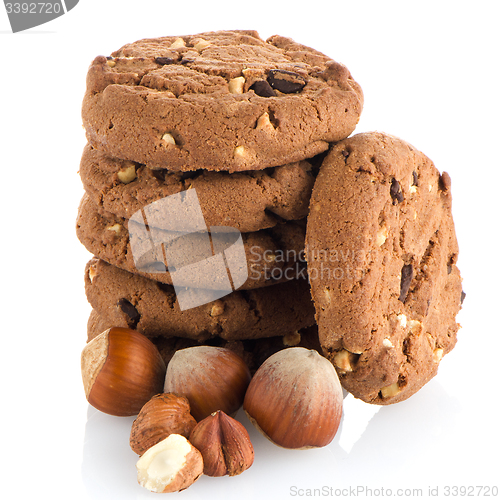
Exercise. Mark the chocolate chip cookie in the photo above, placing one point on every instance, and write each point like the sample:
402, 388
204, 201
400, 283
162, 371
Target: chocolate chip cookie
247, 201
254, 352
224, 100
382, 253
272, 255
151, 307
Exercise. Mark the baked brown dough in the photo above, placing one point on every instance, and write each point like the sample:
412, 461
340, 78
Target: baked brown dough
254, 351
151, 307
272, 255
247, 201
224, 100
382, 253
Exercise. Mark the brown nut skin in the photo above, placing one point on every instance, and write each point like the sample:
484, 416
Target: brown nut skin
161, 416
295, 399
211, 378
121, 371
224, 444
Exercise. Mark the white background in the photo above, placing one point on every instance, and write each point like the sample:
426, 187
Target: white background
430, 75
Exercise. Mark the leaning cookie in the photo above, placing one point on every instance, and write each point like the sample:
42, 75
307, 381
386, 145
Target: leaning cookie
254, 352
382, 253
224, 100
247, 201
151, 307
271, 255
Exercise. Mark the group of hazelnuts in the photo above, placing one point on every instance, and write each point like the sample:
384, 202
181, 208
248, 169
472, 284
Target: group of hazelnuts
185, 426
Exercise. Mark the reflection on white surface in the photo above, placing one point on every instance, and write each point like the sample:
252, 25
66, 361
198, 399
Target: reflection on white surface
396, 435
383, 442
360, 416
108, 466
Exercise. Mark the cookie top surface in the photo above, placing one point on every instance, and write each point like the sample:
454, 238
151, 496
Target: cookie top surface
151, 307
382, 252
224, 100
247, 201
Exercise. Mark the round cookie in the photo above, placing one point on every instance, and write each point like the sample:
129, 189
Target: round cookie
254, 352
151, 307
247, 201
224, 100
382, 253
272, 255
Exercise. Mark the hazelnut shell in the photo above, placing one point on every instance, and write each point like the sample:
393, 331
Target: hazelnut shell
224, 444
161, 416
211, 378
121, 371
295, 399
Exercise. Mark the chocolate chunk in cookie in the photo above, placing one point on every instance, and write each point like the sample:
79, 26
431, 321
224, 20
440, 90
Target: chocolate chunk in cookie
382, 253
272, 255
286, 82
277, 310
198, 101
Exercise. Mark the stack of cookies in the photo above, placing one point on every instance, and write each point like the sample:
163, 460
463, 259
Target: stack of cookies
244, 124
254, 136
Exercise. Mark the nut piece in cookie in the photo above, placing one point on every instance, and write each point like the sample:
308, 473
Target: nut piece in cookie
199, 96
382, 253
247, 201
129, 300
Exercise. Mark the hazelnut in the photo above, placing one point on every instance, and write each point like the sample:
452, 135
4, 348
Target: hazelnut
171, 465
217, 307
127, 174
211, 378
224, 444
437, 354
264, 123
390, 391
236, 85
161, 416
116, 228
415, 326
295, 399
168, 139
344, 360
121, 371
92, 273
403, 320
240, 152
381, 235
178, 43
201, 44
292, 339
